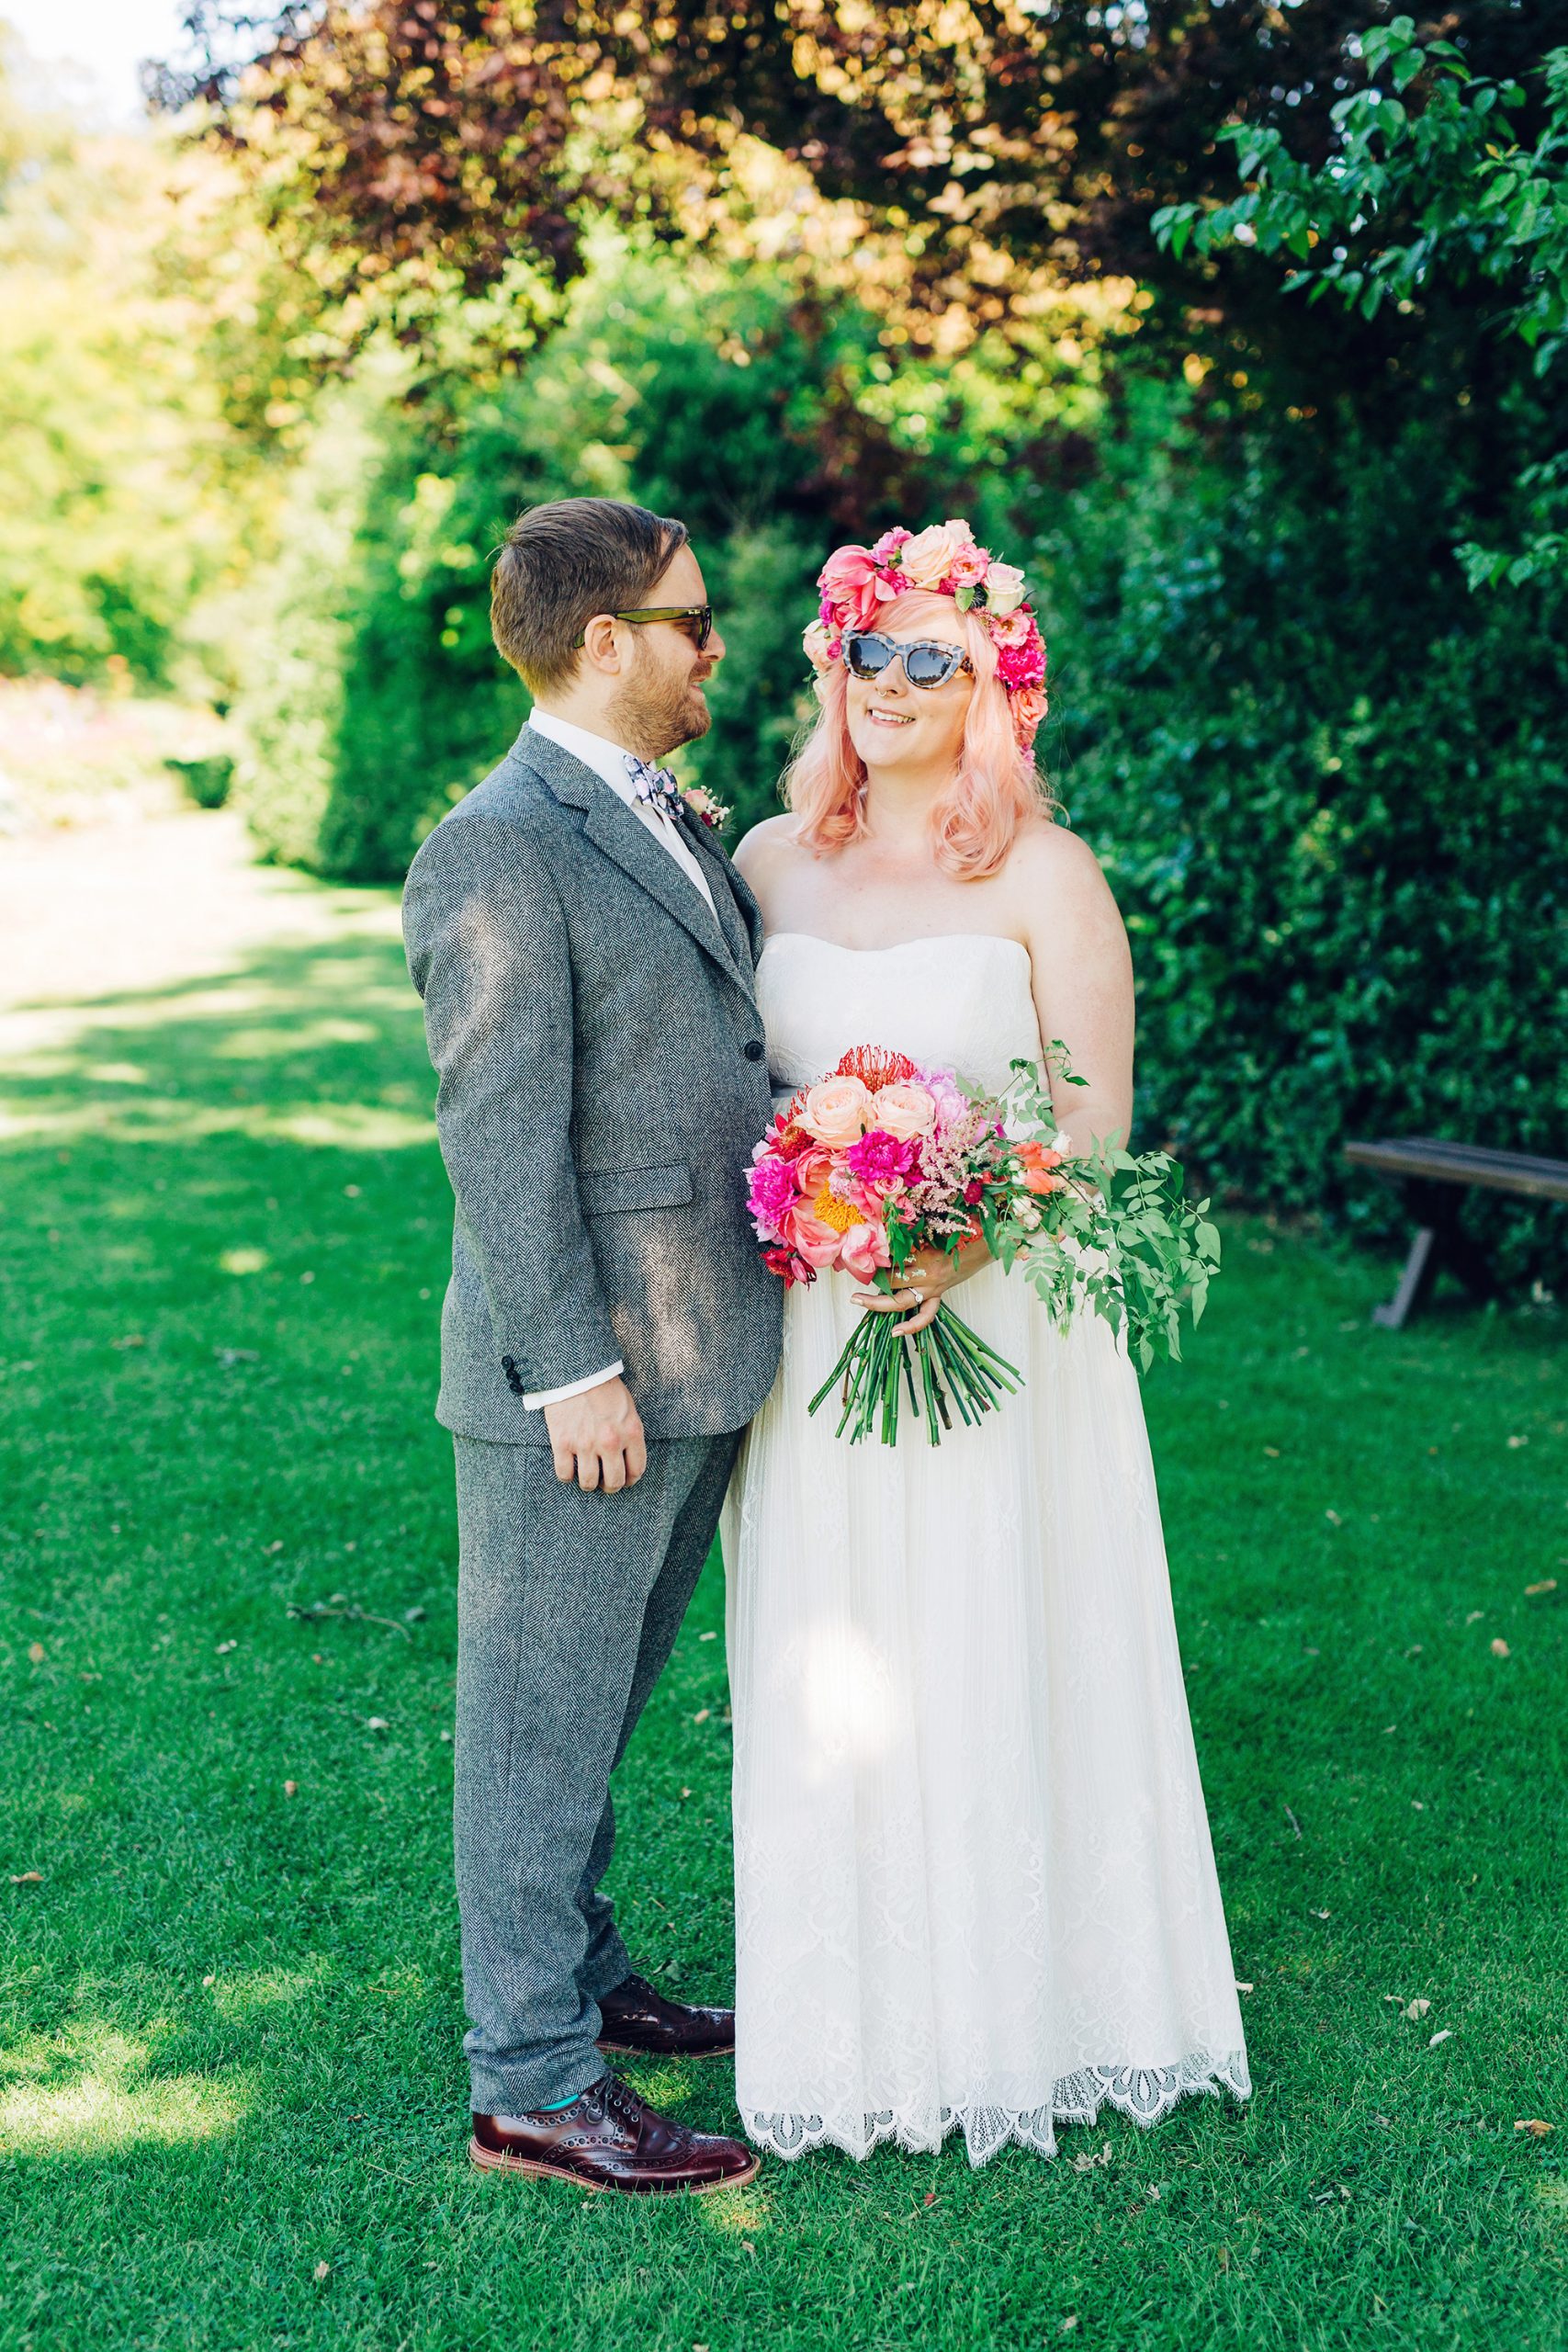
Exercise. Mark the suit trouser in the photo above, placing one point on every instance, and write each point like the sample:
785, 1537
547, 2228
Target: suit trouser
568, 1609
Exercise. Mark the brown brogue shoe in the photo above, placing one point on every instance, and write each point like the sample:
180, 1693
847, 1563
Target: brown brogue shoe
634, 2018
608, 2138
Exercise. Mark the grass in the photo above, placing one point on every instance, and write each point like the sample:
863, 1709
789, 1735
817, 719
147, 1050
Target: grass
232, 2096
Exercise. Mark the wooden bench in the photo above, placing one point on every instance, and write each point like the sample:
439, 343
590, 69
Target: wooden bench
1434, 1177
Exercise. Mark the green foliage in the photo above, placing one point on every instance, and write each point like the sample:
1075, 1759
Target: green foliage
1413, 197
1332, 797
137, 364
1118, 1236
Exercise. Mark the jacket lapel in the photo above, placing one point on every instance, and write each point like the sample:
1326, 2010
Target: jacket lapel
736, 905
613, 828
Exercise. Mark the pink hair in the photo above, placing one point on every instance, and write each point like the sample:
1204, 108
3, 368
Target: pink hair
996, 790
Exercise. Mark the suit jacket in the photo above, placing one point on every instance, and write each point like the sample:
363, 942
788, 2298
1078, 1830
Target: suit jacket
602, 1079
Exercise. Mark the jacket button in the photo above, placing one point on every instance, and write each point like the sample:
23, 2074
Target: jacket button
754, 1049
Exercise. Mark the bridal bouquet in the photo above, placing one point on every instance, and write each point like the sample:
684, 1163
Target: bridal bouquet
883, 1158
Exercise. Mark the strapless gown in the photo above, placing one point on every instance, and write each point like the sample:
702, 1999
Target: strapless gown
975, 1887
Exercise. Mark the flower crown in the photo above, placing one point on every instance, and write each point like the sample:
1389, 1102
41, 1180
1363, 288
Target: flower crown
857, 581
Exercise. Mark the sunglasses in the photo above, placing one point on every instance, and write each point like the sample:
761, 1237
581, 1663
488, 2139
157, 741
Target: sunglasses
927, 662
697, 618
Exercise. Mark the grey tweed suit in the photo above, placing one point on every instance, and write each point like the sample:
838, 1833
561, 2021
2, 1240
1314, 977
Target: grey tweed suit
602, 1079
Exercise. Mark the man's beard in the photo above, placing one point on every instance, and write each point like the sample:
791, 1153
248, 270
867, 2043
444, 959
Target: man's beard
660, 714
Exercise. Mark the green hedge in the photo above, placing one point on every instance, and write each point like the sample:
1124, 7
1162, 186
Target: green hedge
1331, 791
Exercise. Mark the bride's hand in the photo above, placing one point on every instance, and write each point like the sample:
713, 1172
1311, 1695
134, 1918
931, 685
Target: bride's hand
925, 1277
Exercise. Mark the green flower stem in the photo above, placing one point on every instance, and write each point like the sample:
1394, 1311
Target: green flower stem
877, 1363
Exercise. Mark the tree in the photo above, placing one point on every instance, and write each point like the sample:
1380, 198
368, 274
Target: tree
1427, 182
431, 146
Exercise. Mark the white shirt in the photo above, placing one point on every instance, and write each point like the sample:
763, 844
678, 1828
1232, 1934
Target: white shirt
609, 761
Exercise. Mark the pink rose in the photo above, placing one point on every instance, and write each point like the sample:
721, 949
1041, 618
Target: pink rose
837, 1112
969, 566
927, 558
1004, 589
1028, 708
1010, 628
904, 1111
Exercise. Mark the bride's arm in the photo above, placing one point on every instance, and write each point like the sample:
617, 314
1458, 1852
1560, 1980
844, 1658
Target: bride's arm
1083, 980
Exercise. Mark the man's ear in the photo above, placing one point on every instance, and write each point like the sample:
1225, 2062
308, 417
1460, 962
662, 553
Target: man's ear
601, 649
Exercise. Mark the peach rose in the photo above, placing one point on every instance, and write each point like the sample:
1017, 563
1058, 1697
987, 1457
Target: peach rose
927, 560
814, 642
1004, 588
903, 1111
1029, 707
837, 1111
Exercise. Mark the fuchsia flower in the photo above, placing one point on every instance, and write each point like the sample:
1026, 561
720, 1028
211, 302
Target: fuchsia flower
771, 1191
882, 1158
1021, 665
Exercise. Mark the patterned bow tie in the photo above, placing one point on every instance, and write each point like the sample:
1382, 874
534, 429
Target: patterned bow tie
657, 786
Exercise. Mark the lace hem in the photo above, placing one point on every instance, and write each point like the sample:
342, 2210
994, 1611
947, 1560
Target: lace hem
1146, 2094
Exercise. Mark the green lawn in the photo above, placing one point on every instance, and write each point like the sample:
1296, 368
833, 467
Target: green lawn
232, 2099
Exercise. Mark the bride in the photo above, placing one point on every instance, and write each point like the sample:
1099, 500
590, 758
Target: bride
974, 1888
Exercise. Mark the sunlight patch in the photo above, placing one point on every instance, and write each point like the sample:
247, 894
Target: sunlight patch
244, 1261
368, 1126
239, 1999
87, 2091
302, 1036
739, 2212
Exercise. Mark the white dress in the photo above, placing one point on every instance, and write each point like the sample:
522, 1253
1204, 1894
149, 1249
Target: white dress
975, 1887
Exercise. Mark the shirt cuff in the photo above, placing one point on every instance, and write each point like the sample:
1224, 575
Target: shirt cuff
573, 1388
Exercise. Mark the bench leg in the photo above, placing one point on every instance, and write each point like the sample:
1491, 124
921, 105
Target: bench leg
1439, 1242
1414, 1282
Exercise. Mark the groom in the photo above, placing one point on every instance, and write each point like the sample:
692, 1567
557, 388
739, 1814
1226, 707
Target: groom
585, 952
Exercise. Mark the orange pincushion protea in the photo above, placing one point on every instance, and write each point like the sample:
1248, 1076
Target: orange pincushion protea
876, 1067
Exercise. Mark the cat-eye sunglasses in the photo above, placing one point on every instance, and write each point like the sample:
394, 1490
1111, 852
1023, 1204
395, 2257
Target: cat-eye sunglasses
927, 662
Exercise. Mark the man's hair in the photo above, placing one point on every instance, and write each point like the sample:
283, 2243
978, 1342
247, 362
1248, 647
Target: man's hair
561, 563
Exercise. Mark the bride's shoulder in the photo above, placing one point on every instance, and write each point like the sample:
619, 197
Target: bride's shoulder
1059, 889
1046, 855
770, 848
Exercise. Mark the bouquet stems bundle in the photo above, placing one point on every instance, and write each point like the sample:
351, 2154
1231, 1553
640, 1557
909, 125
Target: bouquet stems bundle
880, 1362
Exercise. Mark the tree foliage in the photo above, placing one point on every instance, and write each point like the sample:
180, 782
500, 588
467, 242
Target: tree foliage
144, 398
1435, 186
428, 146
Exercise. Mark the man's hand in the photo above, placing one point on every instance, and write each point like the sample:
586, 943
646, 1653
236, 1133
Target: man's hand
596, 1438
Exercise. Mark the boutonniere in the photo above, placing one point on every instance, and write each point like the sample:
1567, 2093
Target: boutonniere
704, 808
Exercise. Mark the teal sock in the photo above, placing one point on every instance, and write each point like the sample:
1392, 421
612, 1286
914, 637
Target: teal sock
554, 2106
